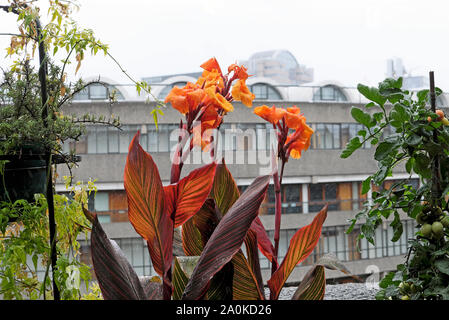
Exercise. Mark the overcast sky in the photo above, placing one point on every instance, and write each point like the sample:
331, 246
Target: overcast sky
348, 41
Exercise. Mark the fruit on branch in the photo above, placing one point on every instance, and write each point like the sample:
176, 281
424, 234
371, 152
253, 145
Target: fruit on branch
445, 221
426, 230
421, 218
437, 229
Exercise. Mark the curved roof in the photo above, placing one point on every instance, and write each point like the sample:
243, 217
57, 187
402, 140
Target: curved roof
274, 54
158, 88
267, 81
306, 92
121, 88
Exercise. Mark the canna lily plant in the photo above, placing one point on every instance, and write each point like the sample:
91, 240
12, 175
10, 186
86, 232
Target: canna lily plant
219, 225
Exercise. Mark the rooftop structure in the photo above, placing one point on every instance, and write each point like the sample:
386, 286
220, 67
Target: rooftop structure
278, 65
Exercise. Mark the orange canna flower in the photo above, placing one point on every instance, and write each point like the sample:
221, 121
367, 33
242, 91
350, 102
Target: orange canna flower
210, 65
211, 78
273, 114
239, 71
293, 118
293, 144
218, 100
202, 133
298, 141
185, 99
240, 92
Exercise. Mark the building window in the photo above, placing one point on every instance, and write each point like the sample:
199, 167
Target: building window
329, 93
98, 91
99, 201
321, 194
264, 91
104, 218
291, 199
233, 137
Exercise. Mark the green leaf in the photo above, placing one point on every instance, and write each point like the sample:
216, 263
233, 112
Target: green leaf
442, 265
351, 146
390, 83
409, 165
399, 113
413, 139
361, 117
397, 227
423, 95
366, 185
422, 165
372, 94
384, 149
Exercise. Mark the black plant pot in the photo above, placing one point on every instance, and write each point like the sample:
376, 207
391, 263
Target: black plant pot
24, 176
22, 179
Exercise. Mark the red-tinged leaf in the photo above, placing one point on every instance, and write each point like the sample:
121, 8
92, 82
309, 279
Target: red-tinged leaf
221, 285
152, 287
263, 241
116, 277
197, 231
253, 259
248, 283
312, 286
227, 238
180, 280
192, 243
170, 195
224, 189
146, 206
301, 246
225, 192
192, 191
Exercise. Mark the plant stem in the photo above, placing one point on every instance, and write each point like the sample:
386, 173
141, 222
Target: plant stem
278, 213
436, 174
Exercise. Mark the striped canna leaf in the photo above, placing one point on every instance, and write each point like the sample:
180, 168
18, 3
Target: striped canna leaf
301, 246
312, 287
225, 192
224, 189
180, 280
196, 233
248, 283
147, 207
263, 242
116, 277
227, 238
192, 191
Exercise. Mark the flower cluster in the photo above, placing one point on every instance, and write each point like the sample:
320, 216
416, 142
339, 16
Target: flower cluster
209, 99
205, 102
285, 120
